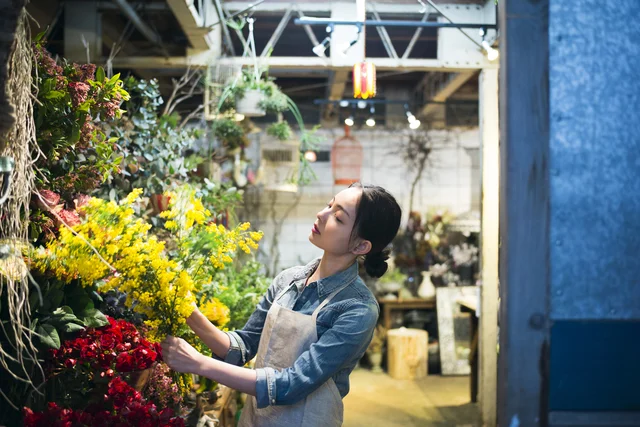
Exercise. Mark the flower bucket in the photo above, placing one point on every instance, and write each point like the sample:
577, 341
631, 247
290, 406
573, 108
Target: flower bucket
159, 203
139, 379
249, 104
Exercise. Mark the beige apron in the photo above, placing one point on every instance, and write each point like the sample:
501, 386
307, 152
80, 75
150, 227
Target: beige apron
285, 336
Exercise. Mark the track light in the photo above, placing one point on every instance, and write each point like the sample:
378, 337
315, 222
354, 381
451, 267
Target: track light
344, 103
344, 48
362, 105
492, 54
320, 48
349, 121
371, 122
414, 124
410, 117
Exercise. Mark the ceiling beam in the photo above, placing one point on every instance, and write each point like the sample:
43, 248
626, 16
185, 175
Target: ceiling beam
192, 23
321, 7
337, 84
447, 89
204, 59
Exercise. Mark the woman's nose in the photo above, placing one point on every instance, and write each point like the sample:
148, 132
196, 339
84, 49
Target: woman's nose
322, 214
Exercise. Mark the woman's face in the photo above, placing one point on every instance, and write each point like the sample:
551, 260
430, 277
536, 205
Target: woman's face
332, 228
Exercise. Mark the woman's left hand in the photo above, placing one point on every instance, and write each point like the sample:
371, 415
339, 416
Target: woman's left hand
180, 355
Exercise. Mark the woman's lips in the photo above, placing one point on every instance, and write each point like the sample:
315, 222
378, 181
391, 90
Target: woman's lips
315, 229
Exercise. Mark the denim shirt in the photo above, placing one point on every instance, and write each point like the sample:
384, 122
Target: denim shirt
345, 328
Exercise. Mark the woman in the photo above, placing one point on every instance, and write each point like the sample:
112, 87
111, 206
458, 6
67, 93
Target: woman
312, 326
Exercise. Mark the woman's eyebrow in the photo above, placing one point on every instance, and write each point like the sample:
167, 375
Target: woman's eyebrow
343, 210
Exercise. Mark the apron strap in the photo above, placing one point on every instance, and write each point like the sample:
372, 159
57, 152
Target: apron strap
328, 299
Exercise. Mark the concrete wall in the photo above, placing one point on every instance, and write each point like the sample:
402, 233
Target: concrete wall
451, 181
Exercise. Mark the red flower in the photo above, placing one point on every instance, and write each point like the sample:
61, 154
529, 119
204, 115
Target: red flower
85, 71
125, 362
78, 92
70, 218
48, 199
143, 357
88, 352
70, 363
158, 350
107, 341
32, 419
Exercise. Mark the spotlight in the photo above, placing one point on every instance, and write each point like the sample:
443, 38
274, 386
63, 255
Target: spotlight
238, 117
320, 48
410, 117
492, 54
349, 121
414, 124
344, 103
344, 47
311, 156
371, 122
362, 105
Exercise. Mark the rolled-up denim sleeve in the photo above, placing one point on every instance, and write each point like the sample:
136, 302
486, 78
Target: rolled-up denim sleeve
347, 339
244, 342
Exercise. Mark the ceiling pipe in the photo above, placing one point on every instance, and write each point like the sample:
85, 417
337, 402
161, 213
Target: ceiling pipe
146, 31
390, 23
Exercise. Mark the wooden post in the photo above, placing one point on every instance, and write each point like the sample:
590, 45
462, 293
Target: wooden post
490, 242
524, 213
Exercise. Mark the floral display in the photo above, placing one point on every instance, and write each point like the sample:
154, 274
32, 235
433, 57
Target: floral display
122, 405
161, 389
95, 356
108, 277
118, 347
113, 246
76, 156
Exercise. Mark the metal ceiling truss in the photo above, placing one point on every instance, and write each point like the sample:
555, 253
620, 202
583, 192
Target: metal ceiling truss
456, 55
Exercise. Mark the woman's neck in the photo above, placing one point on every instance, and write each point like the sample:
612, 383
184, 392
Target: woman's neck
330, 265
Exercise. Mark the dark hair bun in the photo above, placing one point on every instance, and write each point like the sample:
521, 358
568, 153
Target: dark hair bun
375, 263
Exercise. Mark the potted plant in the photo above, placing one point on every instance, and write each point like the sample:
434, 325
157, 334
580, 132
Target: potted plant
392, 281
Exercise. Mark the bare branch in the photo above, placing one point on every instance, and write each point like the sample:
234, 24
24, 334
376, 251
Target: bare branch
191, 79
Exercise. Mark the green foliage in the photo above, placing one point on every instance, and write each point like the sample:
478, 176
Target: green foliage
281, 130
63, 310
154, 146
73, 103
219, 198
393, 276
239, 288
230, 133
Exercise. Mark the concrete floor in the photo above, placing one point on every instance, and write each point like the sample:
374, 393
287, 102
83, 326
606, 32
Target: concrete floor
377, 400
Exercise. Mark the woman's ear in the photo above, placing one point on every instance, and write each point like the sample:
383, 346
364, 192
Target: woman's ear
362, 248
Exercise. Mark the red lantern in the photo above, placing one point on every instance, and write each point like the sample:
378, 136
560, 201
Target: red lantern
364, 80
346, 159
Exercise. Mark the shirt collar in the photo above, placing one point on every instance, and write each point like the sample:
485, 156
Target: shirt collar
328, 284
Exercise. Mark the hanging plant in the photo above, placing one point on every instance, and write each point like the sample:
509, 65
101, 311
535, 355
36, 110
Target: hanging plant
272, 100
230, 133
281, 130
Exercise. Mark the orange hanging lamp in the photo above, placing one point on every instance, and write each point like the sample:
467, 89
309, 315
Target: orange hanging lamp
364, 73
364, 80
